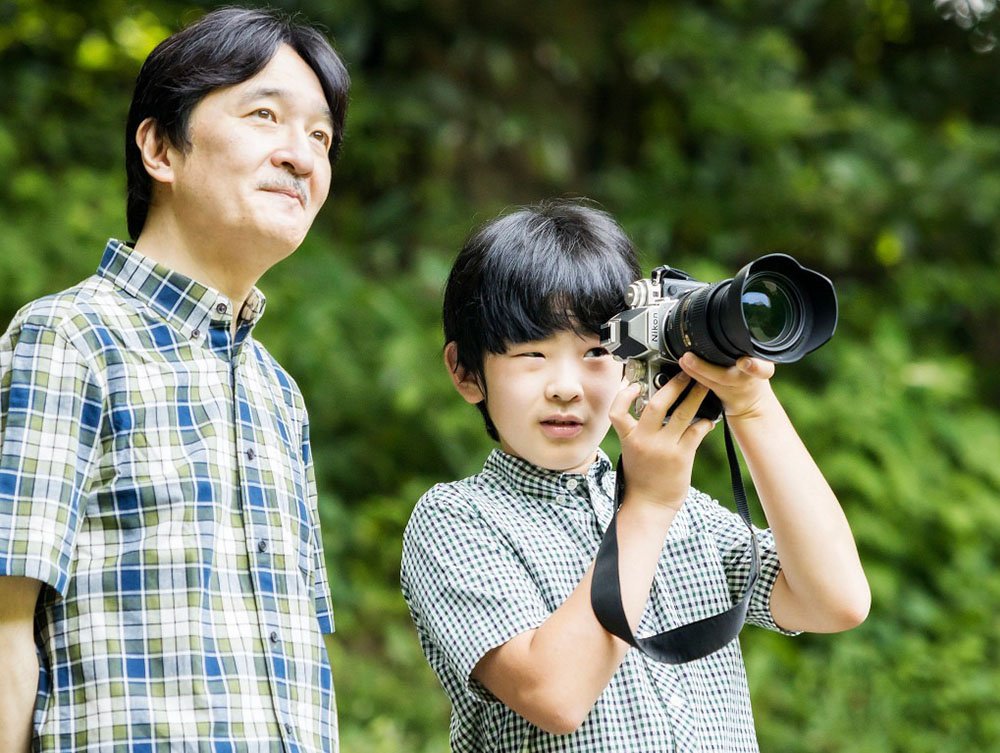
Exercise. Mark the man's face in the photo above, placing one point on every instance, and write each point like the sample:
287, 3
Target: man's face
257, 169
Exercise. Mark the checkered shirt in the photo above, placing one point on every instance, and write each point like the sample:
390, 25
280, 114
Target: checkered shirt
494, 555
155, 474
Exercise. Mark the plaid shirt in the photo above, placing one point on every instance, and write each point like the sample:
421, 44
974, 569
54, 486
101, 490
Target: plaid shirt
494, 555
155, 473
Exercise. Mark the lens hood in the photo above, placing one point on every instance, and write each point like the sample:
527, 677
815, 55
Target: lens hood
810, 294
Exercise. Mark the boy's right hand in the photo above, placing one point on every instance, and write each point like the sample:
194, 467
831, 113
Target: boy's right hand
657, 457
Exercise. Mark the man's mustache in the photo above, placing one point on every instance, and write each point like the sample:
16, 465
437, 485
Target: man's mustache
292, 185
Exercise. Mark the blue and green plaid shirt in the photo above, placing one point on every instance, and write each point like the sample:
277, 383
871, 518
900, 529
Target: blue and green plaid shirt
155, 474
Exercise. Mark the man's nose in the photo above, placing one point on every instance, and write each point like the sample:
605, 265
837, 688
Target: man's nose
295, 154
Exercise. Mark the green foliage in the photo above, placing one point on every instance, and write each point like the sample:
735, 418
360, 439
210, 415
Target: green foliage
858, 135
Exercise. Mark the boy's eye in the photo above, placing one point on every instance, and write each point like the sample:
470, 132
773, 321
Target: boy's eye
597, 352
529, 354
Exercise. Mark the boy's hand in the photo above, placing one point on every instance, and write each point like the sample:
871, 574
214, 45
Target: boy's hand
657, 456
744, 389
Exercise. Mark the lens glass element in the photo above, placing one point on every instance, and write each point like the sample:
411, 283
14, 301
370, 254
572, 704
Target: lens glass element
771, 310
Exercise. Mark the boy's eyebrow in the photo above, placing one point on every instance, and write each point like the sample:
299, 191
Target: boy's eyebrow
270, 92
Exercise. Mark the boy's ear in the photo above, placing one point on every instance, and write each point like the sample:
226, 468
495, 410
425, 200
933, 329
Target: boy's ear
466, 384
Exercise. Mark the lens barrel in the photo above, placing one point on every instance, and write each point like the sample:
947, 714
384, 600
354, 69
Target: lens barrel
774, 308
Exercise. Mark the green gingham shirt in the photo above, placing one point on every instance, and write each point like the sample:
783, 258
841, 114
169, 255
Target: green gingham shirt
492, 556
155, 474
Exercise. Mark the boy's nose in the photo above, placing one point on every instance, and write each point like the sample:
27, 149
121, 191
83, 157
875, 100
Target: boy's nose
564, 387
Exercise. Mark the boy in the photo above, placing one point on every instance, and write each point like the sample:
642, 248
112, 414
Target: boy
497, 567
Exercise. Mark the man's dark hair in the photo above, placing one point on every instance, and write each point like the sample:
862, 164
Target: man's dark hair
552, 267
223, 48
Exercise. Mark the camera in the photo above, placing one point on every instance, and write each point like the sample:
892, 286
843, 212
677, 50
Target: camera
774, 309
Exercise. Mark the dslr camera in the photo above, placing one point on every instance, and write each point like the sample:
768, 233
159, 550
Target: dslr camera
774, 309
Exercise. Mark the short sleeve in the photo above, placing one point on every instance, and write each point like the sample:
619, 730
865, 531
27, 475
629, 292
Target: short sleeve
321, 583
467, 589
51, 408
733, 539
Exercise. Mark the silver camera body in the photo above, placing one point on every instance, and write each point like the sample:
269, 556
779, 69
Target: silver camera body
774, 308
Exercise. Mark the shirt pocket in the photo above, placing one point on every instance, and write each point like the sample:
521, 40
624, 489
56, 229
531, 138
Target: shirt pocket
170, 441
690, 583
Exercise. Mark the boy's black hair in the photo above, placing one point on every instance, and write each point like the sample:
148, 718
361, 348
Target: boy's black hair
551, 267
223, 48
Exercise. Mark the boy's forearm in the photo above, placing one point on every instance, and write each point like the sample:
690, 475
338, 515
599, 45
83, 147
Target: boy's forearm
822, 586
553, 675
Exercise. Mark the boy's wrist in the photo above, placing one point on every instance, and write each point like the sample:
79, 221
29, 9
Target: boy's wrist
651, 508
763, 405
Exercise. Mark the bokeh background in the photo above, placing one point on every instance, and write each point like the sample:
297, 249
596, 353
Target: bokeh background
859, 135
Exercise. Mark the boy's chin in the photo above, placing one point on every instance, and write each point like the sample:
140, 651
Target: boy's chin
566, 463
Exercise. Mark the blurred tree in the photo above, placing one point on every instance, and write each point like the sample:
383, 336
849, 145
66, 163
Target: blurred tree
860, 135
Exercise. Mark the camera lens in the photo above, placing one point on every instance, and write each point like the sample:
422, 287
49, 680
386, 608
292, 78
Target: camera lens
774, 308
771, 309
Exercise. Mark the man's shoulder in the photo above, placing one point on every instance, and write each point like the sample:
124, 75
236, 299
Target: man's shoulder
68, 312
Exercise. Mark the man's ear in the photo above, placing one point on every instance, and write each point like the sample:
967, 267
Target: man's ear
466, 384
155, 150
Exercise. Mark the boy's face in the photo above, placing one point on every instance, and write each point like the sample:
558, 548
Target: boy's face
549, 400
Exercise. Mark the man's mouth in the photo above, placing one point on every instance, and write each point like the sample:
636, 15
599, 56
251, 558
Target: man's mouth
289, 191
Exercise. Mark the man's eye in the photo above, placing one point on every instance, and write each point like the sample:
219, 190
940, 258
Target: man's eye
265, 114
323, 137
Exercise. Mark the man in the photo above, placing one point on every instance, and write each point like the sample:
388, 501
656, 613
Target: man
163, 583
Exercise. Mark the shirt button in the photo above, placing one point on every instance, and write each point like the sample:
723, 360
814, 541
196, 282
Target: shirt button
288, 727
262, 545
251, 454
676, 701
572, 483
561, 499
274, 636
221, 308
196, 334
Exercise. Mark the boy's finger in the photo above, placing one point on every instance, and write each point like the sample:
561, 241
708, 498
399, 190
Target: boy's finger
619, 414
684, 414
697, 431
656, 411
757, 367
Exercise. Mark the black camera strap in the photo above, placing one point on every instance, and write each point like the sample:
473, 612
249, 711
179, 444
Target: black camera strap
694, 640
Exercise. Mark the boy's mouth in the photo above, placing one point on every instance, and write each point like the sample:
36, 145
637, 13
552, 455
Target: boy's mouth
562, 426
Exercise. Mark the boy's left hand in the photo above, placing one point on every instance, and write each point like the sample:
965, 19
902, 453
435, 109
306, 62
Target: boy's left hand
744, 389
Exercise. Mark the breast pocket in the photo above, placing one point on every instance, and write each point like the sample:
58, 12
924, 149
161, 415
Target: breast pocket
171, 441
690, 583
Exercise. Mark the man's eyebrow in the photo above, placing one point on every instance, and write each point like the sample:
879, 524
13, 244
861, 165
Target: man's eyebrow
269, 92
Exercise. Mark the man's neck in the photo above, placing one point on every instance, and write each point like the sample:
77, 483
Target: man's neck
205, 263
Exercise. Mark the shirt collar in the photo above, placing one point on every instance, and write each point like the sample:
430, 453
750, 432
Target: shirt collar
521, 476
187, 305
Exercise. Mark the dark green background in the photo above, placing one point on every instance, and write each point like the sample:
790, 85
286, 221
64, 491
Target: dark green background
859, 135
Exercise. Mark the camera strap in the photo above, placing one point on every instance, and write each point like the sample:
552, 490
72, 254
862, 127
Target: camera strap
694, 640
